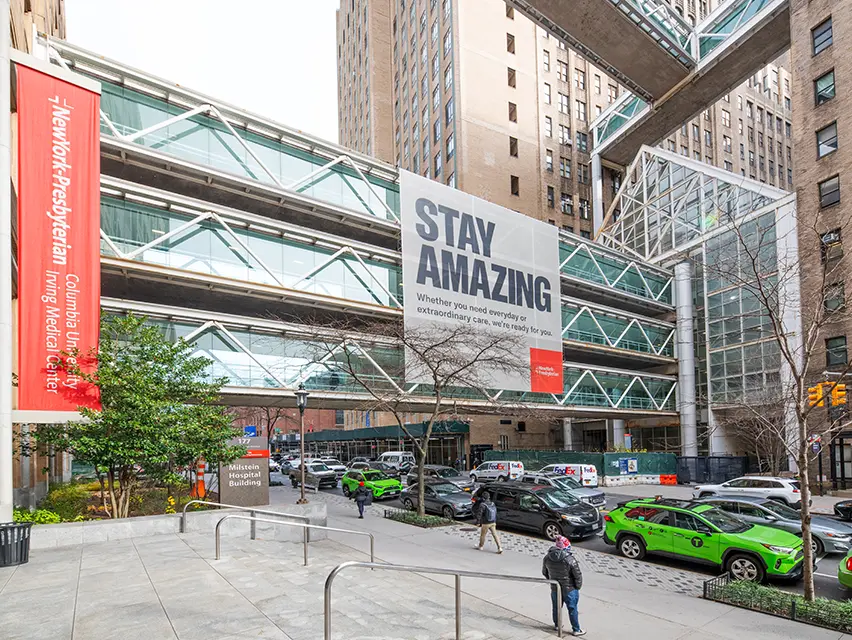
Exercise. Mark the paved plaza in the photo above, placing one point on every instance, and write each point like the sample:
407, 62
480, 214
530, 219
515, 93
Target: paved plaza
169, 586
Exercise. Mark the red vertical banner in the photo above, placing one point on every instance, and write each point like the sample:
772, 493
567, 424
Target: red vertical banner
58, 239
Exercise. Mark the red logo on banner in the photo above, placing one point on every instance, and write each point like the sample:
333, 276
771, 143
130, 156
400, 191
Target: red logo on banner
545, 371
58, 239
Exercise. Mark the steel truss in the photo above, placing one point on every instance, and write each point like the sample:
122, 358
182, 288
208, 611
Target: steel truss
616, 342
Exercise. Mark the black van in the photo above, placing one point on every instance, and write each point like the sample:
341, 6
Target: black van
543, 509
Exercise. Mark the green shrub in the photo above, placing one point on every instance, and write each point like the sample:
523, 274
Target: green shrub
67, 500
409, 517
39, 516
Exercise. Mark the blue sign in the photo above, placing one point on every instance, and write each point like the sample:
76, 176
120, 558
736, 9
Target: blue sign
250, 431
622, 466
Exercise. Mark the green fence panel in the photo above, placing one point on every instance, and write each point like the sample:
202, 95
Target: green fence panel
648, 463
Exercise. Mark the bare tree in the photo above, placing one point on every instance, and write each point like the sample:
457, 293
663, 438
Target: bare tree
793, 312
446, 361
268, 418
759, 429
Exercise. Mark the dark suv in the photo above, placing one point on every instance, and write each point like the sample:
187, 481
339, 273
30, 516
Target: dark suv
542, 509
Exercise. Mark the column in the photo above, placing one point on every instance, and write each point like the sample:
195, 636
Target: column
597, 193
686, 359
567, 434
618, 429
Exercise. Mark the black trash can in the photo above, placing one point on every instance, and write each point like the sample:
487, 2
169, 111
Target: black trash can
14, 543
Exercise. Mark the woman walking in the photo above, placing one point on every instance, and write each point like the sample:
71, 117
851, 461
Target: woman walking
362, 496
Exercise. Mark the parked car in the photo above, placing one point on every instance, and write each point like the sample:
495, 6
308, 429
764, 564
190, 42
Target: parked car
704, 534
542, 509
829, 535
353, 466
593, 497
446, 474
844, 571
357, 459
843, 510
384, 467
439, 497
381, 485
500, 470
335, 465
402, 460
274, 465
784, 490
316, 475
585, 474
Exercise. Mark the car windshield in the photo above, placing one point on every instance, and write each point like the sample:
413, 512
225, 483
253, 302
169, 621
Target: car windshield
331, 461
445, 489
567, 483
557, 499
372, 476
446, 472
318, 467
725, 522
780, 510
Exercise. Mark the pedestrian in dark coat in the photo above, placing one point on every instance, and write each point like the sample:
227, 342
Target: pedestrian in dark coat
362, 495
560, 564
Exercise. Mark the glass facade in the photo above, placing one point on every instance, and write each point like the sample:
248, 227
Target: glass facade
586, 325
272, 360
205, 140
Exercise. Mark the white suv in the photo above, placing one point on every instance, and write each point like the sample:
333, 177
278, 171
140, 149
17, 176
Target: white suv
500, 471
784, 490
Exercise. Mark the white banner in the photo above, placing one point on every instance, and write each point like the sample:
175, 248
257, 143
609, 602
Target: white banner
466, 260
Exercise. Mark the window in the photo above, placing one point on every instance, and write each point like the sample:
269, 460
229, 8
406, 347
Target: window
564, 167
740, 102
451, 146
551, 197
436, 98
582, 141
584, 209
546, 59
435, 31
438, 164
510, 12
581, 111
563, 104
834, 297
597, 84
612, 95
684, 150
585, 234
696, 133
726, 143
751, 158
835, 351
788, 128
567, 204
437, 130
830, 245
750, 110
513, 147
510, 43
513, 112
827, 140
562, 71
546, 93
729, 166
515, 185
822, 36
708, 138
564, 134
512, 77
449, 111
448, 42
548, 160
740, 126
583, 173
580, 79
726, 118
829, 192
548, 126
451, 180
824, 88
448, 78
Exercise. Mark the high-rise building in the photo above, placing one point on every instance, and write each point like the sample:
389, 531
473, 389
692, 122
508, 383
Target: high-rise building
46, 16
485, 100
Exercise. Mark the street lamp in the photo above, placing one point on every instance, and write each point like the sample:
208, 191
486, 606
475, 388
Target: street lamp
302, 402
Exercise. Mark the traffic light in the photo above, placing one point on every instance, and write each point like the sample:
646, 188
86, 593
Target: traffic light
838, 395
815, 396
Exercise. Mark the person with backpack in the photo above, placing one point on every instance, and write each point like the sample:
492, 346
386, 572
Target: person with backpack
486, 518
362, 496
560, 564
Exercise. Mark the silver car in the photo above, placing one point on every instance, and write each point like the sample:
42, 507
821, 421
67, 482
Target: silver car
436, 473
829, 535
590, 496
440, 497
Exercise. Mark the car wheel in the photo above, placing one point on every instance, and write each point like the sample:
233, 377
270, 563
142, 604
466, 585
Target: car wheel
408, 504
745, 567
473, 478
631, 547
817, 547
447, 512
501, 478
551, 530
346, 490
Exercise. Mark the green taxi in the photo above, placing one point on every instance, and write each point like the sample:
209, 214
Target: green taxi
378, 482
702, 533
844, 571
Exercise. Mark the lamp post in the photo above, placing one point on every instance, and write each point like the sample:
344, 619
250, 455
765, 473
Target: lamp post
302, 402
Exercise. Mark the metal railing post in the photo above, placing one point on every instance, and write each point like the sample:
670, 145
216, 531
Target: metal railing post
254, 512
559, 613
253, 526
305, 532
458, 608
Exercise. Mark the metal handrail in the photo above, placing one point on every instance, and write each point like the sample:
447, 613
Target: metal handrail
251, 510
458, 573
306, 527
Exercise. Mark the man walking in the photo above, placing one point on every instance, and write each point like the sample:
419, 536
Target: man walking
486, 518
560, 564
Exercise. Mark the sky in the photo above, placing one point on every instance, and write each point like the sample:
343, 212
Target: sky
276, 58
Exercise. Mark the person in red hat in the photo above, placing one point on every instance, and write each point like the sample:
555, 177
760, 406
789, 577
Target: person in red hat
560, 564
362, 495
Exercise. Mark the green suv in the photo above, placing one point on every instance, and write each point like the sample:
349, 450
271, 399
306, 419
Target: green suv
844, 571
376, 481
702, 533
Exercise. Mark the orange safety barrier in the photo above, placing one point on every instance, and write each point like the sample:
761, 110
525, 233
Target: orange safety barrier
668, 479
198, 489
